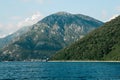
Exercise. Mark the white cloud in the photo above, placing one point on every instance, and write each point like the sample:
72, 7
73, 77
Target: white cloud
16, 18
38, 1
6, 29
24, 0
31, 20
113, 17
2, 35
118, 8
1, 25
104, 14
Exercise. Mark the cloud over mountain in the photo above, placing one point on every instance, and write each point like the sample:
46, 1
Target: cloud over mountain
31, 20
114, 16
8, 28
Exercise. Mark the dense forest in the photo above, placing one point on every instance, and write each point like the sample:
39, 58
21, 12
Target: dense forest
101, 44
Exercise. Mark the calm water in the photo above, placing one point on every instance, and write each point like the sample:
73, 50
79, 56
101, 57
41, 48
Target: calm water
59, 71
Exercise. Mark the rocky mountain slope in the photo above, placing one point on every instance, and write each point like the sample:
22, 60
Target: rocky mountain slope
49, 35
6, 40
101, 44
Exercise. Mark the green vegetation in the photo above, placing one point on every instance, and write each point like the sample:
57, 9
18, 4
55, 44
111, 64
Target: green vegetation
48, 36
101, 44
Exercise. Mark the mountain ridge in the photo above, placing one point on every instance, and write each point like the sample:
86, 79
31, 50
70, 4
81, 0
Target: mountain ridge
49, 35
6, 40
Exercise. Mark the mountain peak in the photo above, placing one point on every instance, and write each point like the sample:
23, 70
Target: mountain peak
63, 13
49, 35
62, 18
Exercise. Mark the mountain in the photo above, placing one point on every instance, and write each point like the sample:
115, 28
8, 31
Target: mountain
100, 44
6, 40
49, 35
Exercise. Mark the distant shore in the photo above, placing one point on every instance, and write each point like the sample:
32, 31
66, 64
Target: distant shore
79, 61
63, 61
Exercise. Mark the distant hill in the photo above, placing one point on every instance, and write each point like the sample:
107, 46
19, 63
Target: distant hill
6, 40
49, 35
101, 44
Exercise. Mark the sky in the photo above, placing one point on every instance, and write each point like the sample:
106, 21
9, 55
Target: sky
15, 14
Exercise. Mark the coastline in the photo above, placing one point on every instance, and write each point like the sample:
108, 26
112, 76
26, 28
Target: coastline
64, 61
79, 61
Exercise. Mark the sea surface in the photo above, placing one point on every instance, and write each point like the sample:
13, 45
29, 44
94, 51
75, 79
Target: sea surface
59, 71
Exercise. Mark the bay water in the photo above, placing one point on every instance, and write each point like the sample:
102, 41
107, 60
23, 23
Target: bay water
59, 71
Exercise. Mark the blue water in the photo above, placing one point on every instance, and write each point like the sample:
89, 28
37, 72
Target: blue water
59, 71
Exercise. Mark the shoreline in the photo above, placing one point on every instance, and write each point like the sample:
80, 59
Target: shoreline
79, 61
64, 61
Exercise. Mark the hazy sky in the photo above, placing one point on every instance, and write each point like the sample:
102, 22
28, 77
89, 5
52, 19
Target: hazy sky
17, 13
